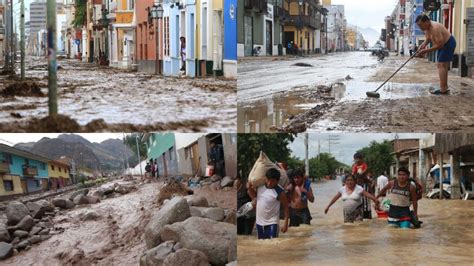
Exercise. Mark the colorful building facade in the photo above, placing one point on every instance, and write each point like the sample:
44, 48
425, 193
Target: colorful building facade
59, 174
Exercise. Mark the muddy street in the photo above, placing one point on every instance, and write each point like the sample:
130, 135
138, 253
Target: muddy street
442, 239
328, 93
89, 93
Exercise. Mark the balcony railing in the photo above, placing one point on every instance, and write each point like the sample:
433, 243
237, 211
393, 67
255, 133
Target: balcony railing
30, 171
281, 13
304, 21
4, 167
258, 5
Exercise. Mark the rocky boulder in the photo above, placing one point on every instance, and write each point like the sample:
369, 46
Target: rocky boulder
175, 210
186, 257
106, 189
6, 250
20, 233
4, 234
35, 230
215, 239
16, 211
215, 178
157, 255
89, 216
26, 223
216, 186
198, 201
83, 192
214, 213
35, 239
81, 199
227, 181
63, 203
231, 217
46, 205
92, 199
125, 188
37, 211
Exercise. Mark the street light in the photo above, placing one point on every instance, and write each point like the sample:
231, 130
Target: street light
156, 12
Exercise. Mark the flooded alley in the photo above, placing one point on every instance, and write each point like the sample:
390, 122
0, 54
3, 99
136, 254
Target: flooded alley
328, 93
88, 94
444, 238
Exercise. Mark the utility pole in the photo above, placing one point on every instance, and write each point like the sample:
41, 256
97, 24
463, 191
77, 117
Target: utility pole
138, 155
52, 64
306, 160
22, 39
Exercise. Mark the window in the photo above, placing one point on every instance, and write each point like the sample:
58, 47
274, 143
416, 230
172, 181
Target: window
8, 185
43, 166
59, 169
27, 162
7, 158
52, 167
166, 34
37, 183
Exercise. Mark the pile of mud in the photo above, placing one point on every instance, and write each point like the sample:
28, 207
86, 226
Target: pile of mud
23, 89
300, 122
170, 189
215, 87
62, 123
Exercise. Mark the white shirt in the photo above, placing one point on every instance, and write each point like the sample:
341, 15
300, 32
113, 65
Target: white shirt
268, 205
382, 181
353, 200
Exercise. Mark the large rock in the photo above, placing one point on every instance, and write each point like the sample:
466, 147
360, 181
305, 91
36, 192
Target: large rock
98, 194
227, 181
4, 234
47, 206
20, 233
36, 210
107, 189
81, 199
63, 203
186, 257
16, 211
23, 244
125, 188
215, 178
79, 192
92, 199
214, 213
198, 201
157, 255
35, 239
213, 238
175, 210
35, 230
6, 250
26, 223
89, 216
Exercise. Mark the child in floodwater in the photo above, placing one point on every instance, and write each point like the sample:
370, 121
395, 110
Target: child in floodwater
403, 193
299, 192
269, 197
352, 195
360, 172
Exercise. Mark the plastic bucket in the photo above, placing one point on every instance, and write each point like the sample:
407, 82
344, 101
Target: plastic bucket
382, 214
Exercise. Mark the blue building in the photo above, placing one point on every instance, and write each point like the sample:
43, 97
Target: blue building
162, 148
230, 38
190, 30
21, 171
172, 56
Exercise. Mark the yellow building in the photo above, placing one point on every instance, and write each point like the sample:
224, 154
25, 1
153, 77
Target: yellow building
11, 184
58, 173
123, 35
301, 29
327, 2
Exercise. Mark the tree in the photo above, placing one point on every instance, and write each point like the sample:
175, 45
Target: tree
324, 164
80, 13
249, 146
378, 156
131, 142
295, 163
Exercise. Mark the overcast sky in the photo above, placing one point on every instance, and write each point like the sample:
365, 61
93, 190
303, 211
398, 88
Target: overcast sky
14, 138
367, 13
346, 145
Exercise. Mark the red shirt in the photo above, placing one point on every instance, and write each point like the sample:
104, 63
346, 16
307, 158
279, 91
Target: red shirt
359, 168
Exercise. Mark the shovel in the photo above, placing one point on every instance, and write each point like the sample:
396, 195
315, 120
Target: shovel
375, 94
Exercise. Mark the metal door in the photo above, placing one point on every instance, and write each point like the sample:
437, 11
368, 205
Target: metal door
269, 34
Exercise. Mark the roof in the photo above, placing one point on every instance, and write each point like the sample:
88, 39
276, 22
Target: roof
61, 162
448, 142
23, 153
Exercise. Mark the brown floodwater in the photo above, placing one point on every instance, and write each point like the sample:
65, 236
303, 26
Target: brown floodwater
445, 237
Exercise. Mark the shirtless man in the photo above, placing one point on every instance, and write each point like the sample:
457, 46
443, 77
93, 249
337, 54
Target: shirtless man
299, 192
443, 41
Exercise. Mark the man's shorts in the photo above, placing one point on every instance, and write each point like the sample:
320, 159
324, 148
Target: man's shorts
300, 216
446, 53
267, 231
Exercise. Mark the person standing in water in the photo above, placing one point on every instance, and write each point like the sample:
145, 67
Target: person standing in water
299, 193
402, 194
359, 171
269, 197
352, 195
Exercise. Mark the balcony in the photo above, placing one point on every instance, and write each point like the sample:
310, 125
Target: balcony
304, 21
30, 171
257, 5
4, 168
281, 13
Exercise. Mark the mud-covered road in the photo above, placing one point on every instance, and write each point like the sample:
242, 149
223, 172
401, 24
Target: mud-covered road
289, 97
87, 93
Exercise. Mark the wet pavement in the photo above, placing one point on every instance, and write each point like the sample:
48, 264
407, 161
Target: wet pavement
87, 92
445, 237
272, 93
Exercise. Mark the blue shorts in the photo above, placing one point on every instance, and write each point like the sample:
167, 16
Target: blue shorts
446, 53
267, 231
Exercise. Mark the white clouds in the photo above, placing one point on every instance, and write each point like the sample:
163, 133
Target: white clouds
367, 13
